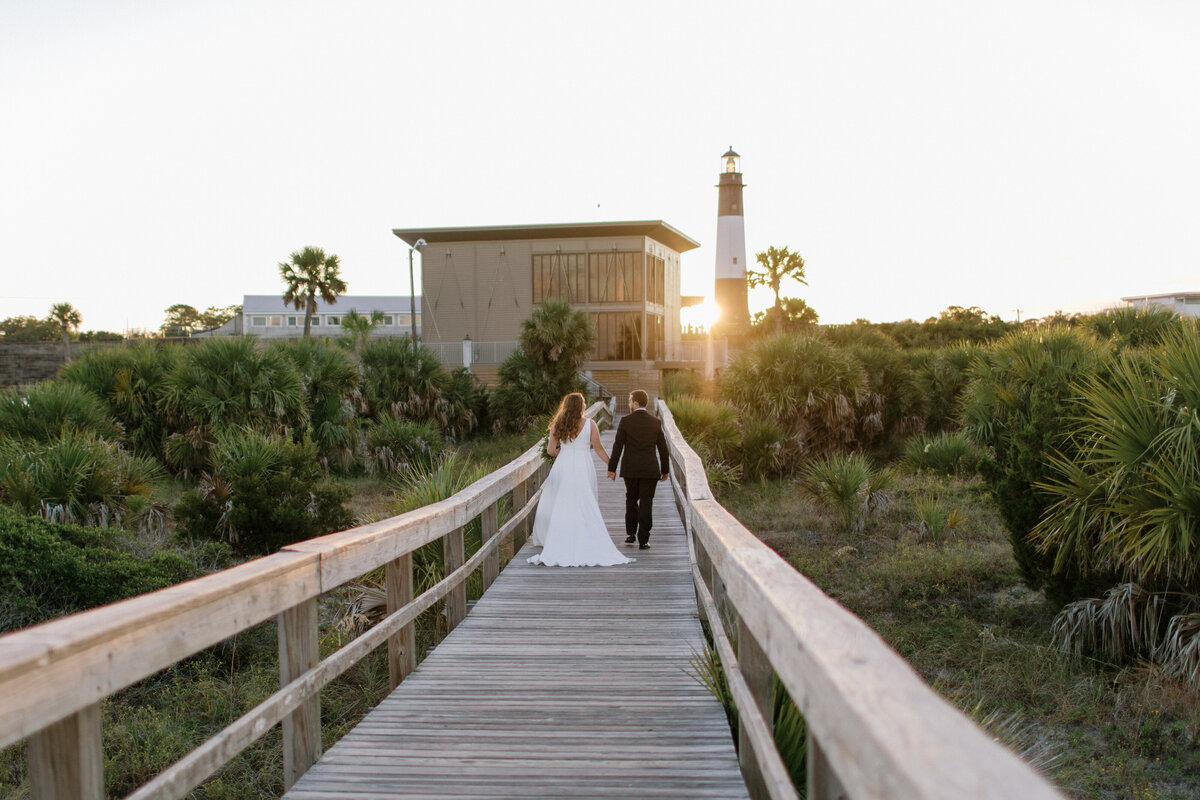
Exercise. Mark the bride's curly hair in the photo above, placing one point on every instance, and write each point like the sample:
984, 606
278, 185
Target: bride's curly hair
565, 425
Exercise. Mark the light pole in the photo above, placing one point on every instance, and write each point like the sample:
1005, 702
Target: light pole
412, 290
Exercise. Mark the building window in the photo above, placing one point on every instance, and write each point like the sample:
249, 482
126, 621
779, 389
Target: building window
615, 277
276, 321
403, 319
258, 322
316, 321
655, 277
618, 335
332, 320
291, 322
560, 276
387, 319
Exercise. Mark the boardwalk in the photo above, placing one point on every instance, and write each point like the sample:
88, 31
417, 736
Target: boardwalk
561, 683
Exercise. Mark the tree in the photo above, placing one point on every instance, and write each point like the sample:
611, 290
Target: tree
797, 315
214, 317
66, 318
777, 264
311, 273
359, 327
182, 320
27, 329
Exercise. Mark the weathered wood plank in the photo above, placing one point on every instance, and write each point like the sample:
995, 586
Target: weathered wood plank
402, 647
66, 760
299, 652
489, 524
560, 683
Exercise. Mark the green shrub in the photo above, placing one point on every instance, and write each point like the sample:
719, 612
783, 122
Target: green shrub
407, 380
1018, 405
763, 445
264, 492
555, 342
43, 412
77, 478
707, 425
132, 380
892, 404
804, 383
224, 383
943, 453
940, 377
330, 379
1134, 327
395, 445
49, 569
682, 383
849, 486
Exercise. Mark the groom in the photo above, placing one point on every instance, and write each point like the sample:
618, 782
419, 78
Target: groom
638, 435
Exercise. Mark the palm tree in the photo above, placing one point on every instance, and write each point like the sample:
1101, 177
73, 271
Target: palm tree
67, 318
359, 327
311, 273
777, 264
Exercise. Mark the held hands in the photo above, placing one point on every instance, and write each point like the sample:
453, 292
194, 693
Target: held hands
612, 476
664, 476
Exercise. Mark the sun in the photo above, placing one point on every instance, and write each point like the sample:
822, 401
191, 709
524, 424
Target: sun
700, 316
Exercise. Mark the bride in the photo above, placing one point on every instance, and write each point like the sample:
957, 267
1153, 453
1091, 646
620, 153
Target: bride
568, 524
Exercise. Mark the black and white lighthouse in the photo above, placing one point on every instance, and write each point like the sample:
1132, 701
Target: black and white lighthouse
731, 291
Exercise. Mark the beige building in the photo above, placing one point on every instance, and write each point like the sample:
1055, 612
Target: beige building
480, 283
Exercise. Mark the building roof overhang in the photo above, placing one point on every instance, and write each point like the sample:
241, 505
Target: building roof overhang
655, 229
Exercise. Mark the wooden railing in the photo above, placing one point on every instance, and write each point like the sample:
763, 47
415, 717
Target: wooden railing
54, 676
875, 729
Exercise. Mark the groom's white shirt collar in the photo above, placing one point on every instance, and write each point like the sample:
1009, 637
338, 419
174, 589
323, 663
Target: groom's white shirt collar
637, 410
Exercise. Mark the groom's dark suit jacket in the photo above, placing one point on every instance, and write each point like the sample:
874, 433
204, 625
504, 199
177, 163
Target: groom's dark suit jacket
639, 434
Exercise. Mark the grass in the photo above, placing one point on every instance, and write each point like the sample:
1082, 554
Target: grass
955, 609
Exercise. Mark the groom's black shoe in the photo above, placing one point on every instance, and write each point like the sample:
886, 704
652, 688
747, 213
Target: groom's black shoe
643, 547
630, 539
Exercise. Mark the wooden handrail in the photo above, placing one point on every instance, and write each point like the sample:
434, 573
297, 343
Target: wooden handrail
876, 730
53, 676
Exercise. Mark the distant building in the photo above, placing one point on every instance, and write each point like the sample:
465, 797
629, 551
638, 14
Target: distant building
266, 315
1186, 304
480, 283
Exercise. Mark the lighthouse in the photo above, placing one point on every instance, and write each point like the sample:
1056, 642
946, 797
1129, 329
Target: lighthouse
731, 245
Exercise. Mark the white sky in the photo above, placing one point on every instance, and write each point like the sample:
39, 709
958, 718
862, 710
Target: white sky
1021, 154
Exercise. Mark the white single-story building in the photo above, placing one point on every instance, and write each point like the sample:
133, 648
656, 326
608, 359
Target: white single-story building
266, 315
1185, 304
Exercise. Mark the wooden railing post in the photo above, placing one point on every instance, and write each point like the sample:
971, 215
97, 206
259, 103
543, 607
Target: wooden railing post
490, 522
402, 647
453, 554
66, 761
823, 784
299, 651
759, 677
520, 496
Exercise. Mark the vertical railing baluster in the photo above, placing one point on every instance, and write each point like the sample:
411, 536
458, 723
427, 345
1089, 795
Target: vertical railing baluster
490, 522
760, 679
299, 651
402, 646
454, 553
520, 495
823, 784
66, 761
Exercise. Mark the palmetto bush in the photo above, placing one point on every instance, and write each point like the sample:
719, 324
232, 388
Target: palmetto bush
849, 486
1017, 406
330, 379
941, 375
943, 453
262, 493
395, 445
77, 477
892, 404
763, 447
708, 425
808, 386
226, 383
132, 381
682, 383
42, 413
1134, 327
407, 380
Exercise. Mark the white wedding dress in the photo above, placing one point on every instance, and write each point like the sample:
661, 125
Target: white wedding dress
568, 524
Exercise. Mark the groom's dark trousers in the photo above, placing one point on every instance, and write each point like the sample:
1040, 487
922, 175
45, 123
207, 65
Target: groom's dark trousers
640, 440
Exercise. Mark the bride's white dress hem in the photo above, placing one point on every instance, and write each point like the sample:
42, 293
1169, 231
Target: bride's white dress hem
568, 524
